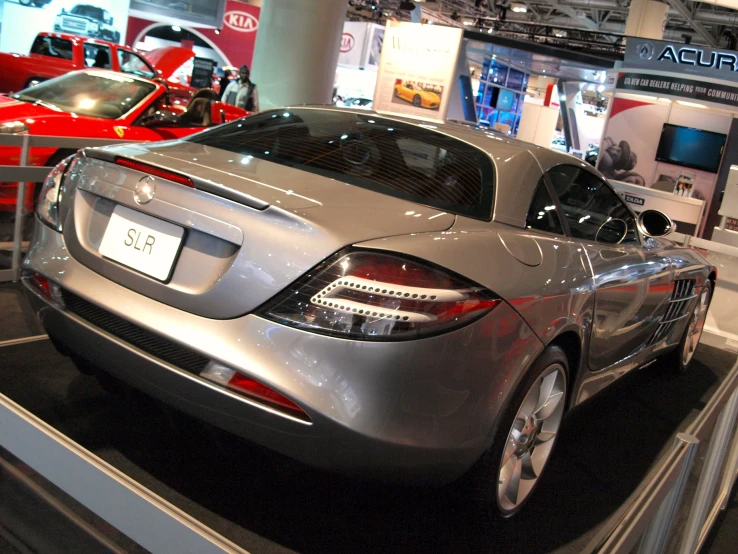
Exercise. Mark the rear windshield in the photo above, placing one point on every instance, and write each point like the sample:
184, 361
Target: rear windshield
408, 161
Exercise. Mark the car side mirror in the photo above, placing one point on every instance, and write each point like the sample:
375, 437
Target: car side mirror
64, 10
109, 21
161, 118
653, 223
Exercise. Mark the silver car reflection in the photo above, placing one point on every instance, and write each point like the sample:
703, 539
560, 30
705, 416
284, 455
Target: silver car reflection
363, 293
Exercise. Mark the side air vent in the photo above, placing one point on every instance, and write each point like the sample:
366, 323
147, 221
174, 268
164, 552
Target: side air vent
677, 309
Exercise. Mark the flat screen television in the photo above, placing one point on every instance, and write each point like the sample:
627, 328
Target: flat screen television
689, 147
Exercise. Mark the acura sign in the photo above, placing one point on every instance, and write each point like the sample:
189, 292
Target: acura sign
681, 58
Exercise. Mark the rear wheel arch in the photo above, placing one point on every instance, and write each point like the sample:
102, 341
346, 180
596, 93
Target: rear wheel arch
571, 343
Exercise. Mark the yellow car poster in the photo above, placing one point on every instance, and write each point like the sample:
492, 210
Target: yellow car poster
420, 95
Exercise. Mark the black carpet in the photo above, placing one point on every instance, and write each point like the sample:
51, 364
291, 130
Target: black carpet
269, 504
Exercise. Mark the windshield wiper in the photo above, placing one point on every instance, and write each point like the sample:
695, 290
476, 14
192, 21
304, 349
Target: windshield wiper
47, 105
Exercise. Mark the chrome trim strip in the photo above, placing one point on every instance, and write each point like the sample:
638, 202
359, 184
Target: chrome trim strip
24, 340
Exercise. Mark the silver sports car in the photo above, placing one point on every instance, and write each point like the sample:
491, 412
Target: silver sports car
363, 293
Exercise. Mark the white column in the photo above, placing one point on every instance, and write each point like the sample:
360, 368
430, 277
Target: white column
646, 19
297, 50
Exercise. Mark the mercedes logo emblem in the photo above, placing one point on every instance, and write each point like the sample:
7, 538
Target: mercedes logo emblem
645, 50
145, 190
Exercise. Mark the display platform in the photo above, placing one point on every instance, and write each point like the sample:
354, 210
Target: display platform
268, 504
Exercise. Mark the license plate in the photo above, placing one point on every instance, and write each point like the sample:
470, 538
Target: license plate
142, 242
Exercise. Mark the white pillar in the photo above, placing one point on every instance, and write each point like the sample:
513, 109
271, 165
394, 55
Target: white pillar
646, 19
297, 50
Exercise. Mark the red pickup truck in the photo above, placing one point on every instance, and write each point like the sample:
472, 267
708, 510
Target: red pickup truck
55, 54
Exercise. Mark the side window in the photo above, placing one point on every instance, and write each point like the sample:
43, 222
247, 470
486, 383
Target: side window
97, 55
134, 64
54, 47
542, 214
592, 209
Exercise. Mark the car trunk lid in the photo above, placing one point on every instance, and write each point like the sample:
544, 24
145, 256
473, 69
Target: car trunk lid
251, 227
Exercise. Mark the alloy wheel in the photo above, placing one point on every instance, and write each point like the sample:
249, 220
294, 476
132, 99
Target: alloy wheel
531, 438
696, 324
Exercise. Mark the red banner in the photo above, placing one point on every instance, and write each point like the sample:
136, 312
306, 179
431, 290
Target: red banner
235, 42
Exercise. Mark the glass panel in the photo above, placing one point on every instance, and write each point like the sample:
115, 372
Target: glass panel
97, 55
590, 206
542, 214
134, 64
367, 151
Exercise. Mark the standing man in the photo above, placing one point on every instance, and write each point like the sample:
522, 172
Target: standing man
242, 92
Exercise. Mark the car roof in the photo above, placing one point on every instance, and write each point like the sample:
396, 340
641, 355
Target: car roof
78, 38
519, 165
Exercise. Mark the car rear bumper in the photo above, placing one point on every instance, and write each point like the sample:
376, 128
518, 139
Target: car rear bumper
415, 410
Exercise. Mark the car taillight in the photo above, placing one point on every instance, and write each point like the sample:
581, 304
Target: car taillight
372, 295
47, 208
240, 383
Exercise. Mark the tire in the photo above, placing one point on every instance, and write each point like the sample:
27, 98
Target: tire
681, 357
417, 100
39, 3
522, 445
25, 2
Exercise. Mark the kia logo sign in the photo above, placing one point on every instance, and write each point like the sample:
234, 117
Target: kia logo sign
241, 21
347, 43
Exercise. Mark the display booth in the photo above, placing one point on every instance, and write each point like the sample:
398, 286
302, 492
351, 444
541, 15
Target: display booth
358, 62
670, 122
229, 43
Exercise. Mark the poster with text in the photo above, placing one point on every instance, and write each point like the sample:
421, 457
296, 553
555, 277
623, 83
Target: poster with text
99, 19
416, 70
628, 149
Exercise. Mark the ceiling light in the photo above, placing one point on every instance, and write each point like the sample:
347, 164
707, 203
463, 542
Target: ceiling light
519, 8
490, 31
176, 28
691, 104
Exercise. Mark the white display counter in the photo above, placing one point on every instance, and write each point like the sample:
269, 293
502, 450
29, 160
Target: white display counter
687, 213
728, 209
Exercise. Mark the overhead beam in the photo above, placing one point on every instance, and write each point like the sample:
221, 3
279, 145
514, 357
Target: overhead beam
572, 13
698, 27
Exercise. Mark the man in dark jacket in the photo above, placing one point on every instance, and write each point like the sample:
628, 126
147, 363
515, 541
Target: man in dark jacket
242, 92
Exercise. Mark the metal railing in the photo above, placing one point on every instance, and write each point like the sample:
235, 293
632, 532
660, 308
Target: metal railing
645, 522
145, 517
24, 173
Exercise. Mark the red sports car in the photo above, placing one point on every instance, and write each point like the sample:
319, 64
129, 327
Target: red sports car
99, 104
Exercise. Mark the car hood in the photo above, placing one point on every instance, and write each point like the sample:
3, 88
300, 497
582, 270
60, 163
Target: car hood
169, 59
15, 110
